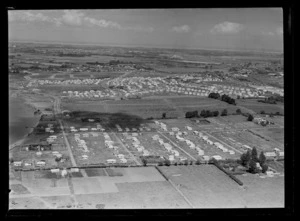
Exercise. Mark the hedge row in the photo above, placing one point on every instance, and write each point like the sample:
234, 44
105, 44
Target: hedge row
228, 173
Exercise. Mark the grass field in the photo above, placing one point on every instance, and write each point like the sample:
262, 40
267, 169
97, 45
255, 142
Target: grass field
276, 134
27, 203
208, 187
263, 193
258, 107
278, 166
137, 196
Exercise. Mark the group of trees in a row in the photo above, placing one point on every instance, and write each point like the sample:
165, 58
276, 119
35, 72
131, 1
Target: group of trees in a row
250, 160
272, 114
208, 113
224, 98
167, 162
205, 114
272, 99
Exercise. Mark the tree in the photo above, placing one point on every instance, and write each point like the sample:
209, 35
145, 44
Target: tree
203, 113
264, 168
250, 117
144, 161
164, 116
254, 154
167, 162
262, 112
245, 158
198, 162
238, 111
262, 158
216, 113
207, 113
11, 160
238, 97
224, 112
191, 114
252, 167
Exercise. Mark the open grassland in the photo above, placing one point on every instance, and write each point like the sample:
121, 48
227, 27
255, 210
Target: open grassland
144, 111
208, 187
85, 106
263, 192
139, 195
277, 165
154, 107
27, 203
276, 134
136, 188
258, 106
137, 102
205, 186
192, 101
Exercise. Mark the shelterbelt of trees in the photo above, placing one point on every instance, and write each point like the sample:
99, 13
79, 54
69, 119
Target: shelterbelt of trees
224, 97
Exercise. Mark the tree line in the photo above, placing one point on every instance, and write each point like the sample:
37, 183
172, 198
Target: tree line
209, 113
224, 98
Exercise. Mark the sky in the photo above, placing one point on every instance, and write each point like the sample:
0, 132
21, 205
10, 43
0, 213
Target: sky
232, 29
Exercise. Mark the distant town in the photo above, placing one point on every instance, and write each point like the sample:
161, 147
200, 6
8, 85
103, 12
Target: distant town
174, 123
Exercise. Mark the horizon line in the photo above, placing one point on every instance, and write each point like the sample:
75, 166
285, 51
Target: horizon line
144, 46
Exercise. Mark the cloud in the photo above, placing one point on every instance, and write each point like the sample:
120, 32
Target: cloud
101, 23
277, 31
27, 16
73, 18
227, 28
181, 29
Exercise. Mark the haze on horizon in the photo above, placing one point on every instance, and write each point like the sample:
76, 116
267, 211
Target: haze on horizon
258, 29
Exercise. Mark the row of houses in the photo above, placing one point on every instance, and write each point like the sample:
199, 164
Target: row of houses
136, 143
167, 146
86, 81
39, 163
